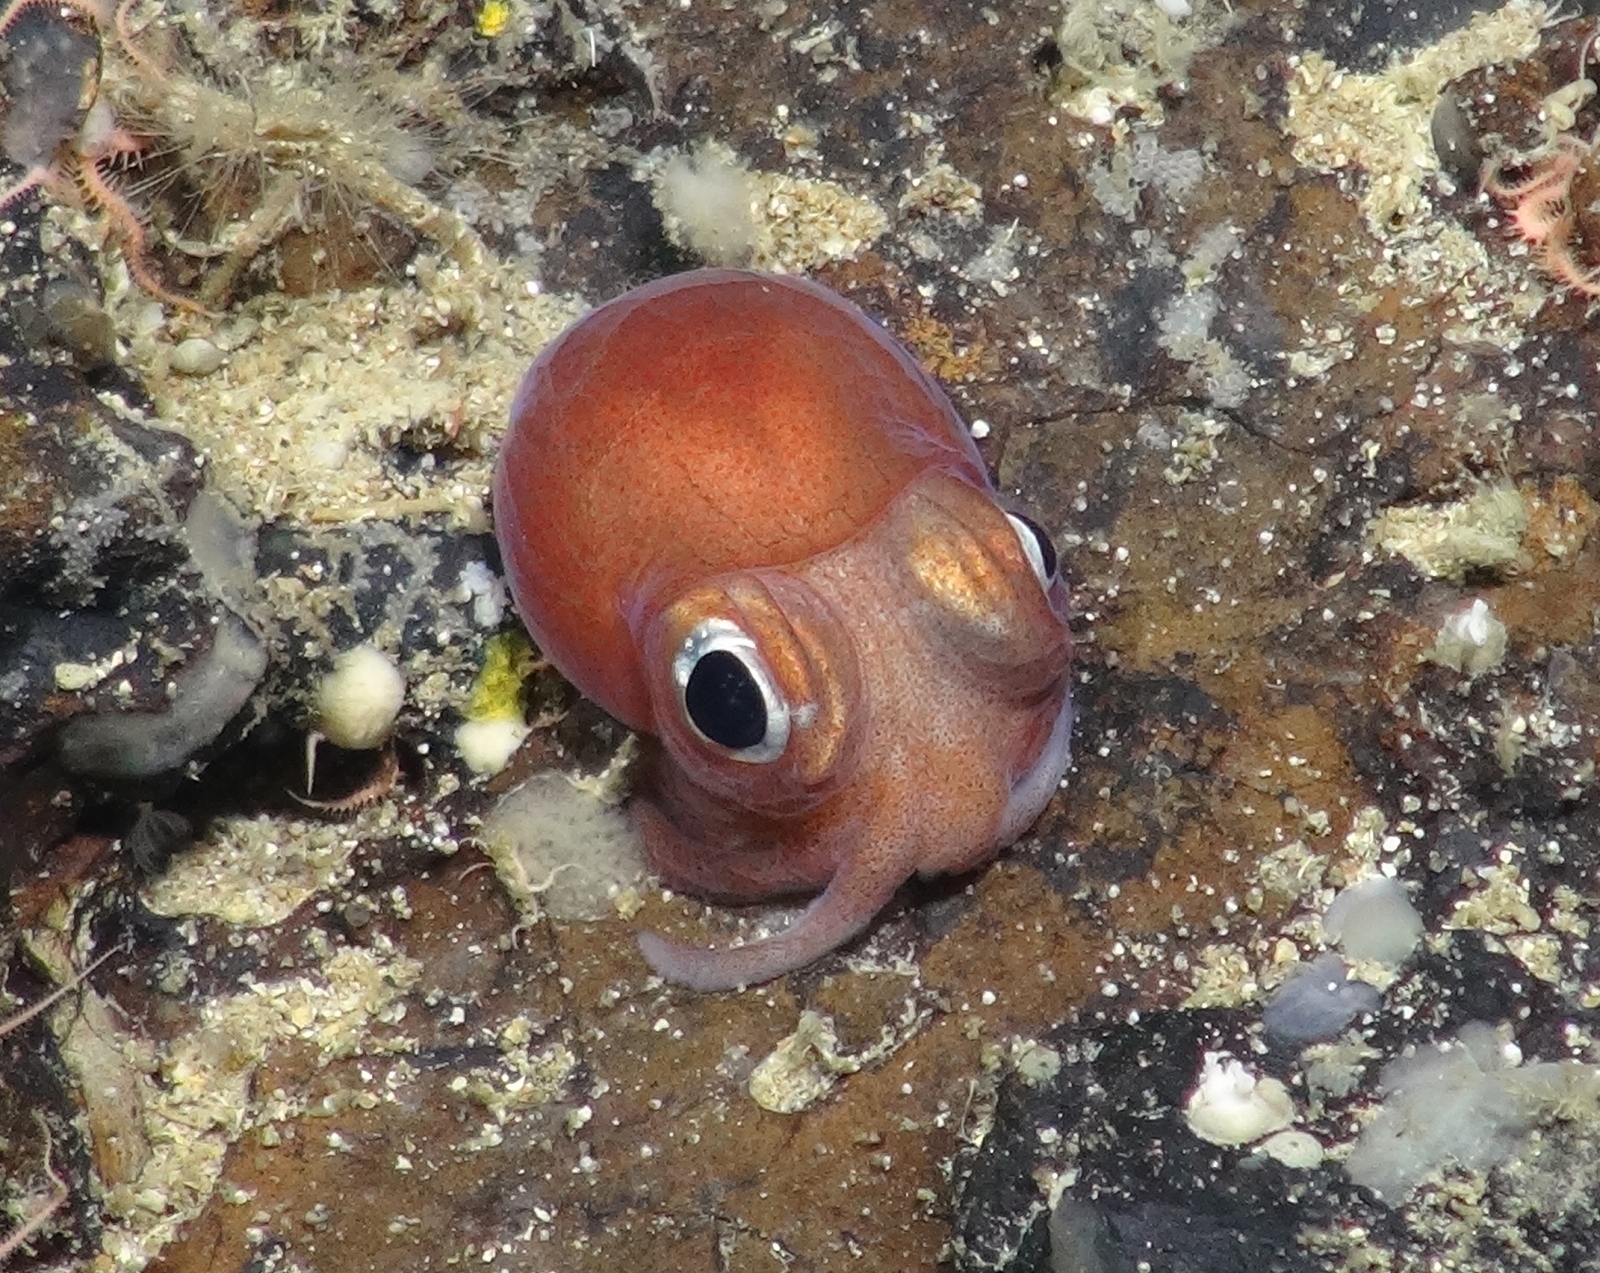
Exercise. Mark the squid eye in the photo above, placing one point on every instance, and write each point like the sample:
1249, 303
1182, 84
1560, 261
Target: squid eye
728, 695
1036, 547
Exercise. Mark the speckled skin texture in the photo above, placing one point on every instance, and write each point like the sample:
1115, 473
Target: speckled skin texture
730, 445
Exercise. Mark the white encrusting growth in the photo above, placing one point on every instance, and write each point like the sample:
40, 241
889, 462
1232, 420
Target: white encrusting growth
1468, 1103
1471, 640
1231, 1106
563, 850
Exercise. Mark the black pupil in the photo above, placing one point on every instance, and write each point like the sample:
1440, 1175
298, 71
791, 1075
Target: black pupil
1047, 550
724, 701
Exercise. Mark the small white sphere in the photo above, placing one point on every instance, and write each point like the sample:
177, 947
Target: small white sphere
487, 745
357, 701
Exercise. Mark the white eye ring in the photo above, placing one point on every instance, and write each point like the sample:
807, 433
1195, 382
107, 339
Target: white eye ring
1036, 547
725, 699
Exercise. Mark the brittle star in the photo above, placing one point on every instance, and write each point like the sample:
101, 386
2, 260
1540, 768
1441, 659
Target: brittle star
1540, 201
75, 167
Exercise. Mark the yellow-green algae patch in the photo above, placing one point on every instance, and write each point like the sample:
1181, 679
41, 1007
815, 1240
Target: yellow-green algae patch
494, 723
497, 691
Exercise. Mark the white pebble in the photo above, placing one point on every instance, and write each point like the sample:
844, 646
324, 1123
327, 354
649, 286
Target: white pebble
1373, 919
196, 356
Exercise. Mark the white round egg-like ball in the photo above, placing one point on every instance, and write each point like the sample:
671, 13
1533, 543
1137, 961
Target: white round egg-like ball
358, 700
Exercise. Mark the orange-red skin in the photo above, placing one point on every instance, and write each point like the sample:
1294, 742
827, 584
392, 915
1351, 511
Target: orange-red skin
721, 426
761, 444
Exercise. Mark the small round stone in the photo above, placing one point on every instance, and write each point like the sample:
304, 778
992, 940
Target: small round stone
196, 356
